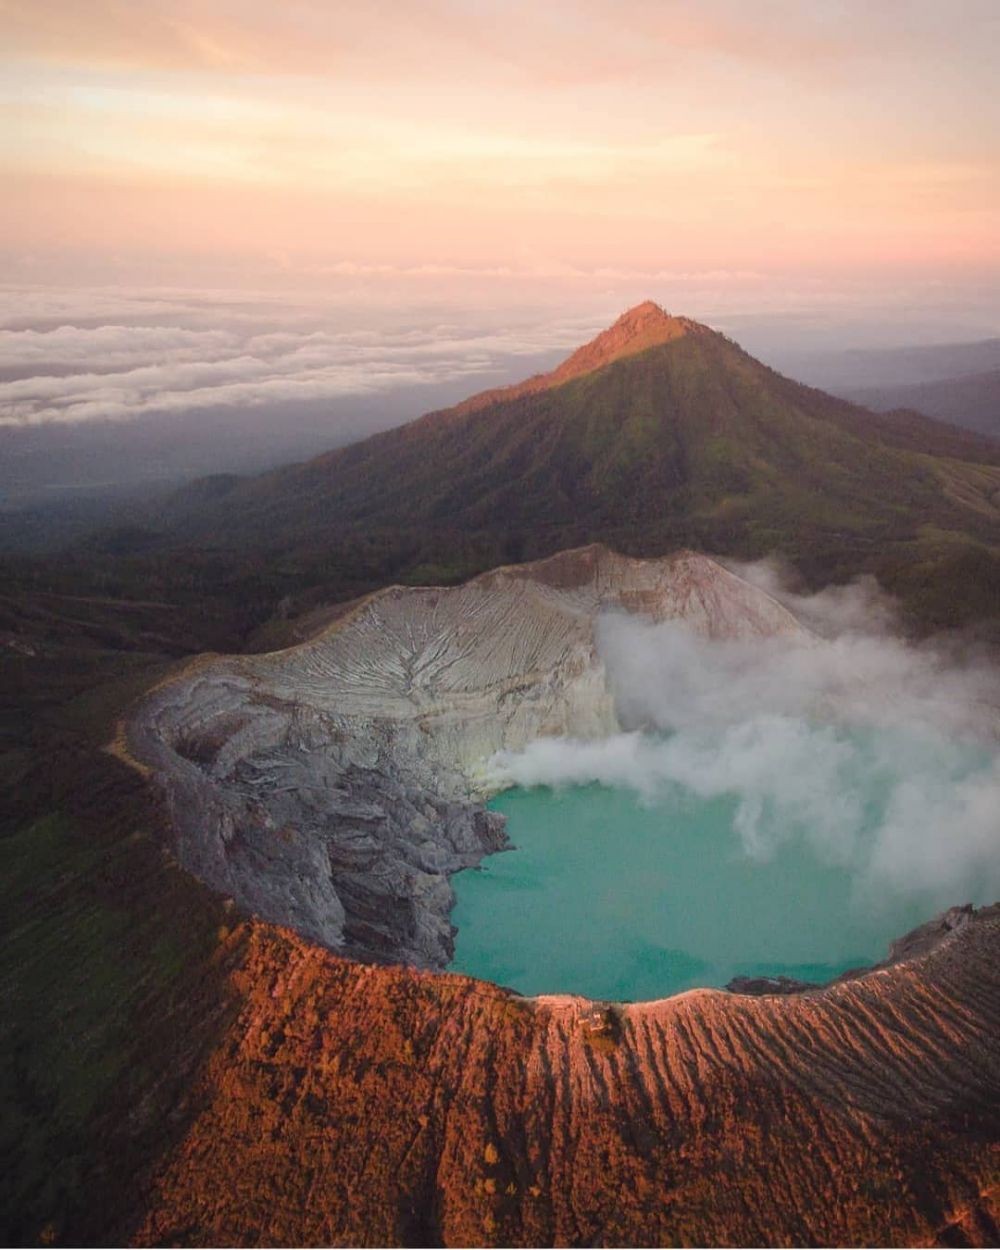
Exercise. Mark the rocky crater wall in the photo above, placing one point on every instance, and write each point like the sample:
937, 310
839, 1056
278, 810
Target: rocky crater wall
333, 787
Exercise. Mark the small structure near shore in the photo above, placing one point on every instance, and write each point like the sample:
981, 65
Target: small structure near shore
602, 1025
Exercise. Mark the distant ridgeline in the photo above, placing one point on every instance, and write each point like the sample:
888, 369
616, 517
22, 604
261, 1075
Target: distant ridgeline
658, 434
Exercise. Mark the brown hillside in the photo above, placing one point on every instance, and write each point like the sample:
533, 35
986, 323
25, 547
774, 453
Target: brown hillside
353, 1105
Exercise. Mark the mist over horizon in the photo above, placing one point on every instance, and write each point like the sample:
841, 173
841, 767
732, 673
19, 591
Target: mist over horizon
355, 361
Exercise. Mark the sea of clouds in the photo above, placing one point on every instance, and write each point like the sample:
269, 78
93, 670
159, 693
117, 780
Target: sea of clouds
70, 357
881, 754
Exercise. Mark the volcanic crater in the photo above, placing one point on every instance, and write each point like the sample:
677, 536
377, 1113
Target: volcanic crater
334, 786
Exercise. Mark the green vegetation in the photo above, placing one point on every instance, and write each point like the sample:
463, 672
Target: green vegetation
112, 988
691, 443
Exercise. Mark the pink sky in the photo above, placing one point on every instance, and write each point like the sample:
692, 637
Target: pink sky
494, 141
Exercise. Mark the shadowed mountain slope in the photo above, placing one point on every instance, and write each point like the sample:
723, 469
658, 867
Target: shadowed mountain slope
657, 418
174, 1073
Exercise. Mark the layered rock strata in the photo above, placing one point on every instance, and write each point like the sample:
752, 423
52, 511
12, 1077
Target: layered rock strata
334, 786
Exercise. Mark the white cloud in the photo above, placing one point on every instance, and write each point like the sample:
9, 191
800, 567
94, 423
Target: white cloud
111, 346
161, 354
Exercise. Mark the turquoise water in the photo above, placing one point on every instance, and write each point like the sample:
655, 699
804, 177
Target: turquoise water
610, 898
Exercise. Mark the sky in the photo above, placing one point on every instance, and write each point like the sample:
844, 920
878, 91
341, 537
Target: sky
319, 218
502, 143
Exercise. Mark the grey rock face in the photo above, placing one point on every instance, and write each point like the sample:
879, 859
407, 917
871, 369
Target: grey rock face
334, 787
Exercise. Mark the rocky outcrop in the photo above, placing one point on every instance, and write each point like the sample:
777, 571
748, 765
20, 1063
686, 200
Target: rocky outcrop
334, 786
759, 986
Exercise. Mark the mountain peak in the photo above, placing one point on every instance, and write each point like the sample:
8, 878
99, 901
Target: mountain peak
636, 330
648, 313
645, 325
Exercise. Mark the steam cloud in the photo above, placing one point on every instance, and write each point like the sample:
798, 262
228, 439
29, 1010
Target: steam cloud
882, 755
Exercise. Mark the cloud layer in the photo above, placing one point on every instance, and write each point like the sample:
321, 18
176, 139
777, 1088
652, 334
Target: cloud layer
880, 755
167, 355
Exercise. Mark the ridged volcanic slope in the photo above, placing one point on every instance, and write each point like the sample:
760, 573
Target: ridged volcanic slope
357, 1105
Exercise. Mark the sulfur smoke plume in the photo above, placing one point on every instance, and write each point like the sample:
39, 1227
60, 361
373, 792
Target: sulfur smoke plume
882, 755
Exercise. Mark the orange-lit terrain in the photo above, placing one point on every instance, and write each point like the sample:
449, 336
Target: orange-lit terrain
179, 1073
642, 327
350, 1104
269, 1092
